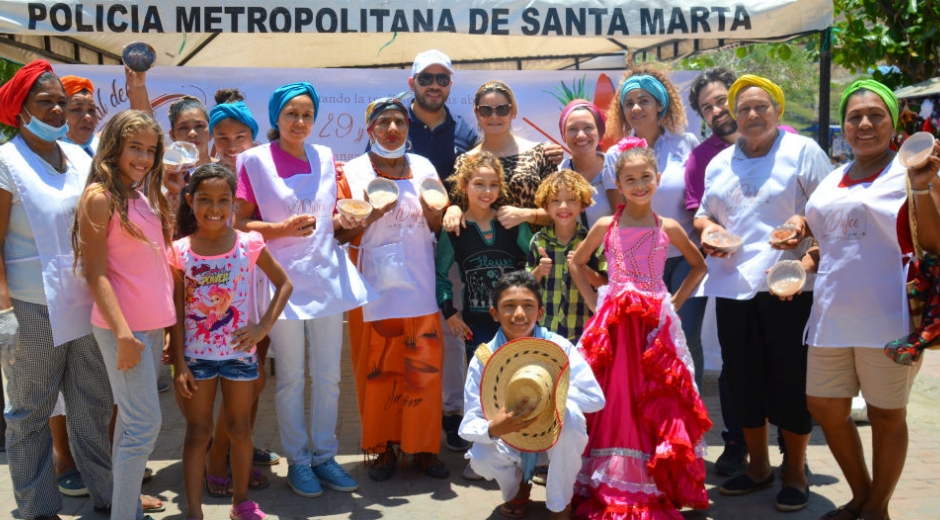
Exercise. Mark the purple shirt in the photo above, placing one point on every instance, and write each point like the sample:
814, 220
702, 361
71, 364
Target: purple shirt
695, 166
286, 165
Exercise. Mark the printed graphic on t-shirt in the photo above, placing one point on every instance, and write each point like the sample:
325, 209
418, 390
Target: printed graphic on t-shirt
482, 270
211, 317
216, 297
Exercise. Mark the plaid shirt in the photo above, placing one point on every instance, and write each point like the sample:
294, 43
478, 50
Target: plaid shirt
565, 309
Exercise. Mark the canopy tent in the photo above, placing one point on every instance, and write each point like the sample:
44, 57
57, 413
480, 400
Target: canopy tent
476, 34
388, 33
928, 88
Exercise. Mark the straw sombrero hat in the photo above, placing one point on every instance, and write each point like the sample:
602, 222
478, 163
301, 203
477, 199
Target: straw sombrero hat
533, 368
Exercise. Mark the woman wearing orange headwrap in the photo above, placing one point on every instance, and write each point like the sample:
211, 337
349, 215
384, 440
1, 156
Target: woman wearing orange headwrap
45, 328
82, 113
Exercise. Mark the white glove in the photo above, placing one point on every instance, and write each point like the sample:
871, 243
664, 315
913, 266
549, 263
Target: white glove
9, 329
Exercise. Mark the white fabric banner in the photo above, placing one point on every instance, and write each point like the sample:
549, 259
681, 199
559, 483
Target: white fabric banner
593, 18
345, 93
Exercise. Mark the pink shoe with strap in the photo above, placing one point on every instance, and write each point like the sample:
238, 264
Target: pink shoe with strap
247, 510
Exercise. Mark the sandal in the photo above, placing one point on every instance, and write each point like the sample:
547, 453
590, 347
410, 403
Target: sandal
155, 504
214, 483
257, 480
841, 513
518, 507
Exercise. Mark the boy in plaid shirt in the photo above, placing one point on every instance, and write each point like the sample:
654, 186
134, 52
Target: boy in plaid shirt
564, 195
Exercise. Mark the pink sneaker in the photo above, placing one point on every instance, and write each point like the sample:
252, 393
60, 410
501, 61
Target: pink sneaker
247, 510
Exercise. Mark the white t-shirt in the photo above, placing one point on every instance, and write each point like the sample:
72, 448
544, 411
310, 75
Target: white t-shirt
749, 197
672, 151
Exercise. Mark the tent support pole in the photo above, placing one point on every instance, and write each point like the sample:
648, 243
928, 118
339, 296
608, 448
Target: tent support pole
825, 79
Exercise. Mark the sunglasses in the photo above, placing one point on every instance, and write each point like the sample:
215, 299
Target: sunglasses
426, 79
501, 110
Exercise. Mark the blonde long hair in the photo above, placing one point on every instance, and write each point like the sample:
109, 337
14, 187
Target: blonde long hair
105, 173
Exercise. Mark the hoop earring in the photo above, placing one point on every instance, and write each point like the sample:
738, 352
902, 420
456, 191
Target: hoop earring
408, 144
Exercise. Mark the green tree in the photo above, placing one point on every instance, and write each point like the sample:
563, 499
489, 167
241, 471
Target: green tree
793, 65
902, 33
7, 70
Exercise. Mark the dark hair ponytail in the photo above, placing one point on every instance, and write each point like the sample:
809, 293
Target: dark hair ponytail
185, 218
228, 95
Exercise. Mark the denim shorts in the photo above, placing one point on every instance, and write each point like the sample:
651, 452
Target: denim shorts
236, 369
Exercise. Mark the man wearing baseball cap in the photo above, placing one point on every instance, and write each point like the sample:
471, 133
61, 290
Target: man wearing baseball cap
435, 133
440, 136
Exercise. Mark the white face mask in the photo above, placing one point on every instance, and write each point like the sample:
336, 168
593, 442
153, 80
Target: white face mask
383, 152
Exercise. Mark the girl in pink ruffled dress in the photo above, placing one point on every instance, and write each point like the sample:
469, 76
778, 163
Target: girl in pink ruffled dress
643, 458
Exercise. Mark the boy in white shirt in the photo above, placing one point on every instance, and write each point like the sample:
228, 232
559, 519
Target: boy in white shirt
552, 426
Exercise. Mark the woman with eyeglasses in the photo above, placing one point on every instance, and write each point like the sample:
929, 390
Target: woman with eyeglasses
525, 162
650, 108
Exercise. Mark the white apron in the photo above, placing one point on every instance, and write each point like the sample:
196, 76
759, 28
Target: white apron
859, 300
397, 251
325, 281
750, 200
50, 202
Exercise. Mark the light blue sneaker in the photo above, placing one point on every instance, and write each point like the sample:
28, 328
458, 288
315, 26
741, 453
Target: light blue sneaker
301, 479
333, 476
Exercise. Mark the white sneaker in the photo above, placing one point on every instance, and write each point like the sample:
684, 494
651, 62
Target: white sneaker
469, 474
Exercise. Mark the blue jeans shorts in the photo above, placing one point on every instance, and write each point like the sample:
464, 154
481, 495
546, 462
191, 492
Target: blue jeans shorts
236, 369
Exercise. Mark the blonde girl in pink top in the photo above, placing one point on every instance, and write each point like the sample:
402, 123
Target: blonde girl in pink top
120, 239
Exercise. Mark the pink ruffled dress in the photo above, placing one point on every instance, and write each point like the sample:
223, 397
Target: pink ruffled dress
643, 460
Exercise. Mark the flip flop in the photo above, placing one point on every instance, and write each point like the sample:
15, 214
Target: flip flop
518, 507
841, 513
515, 508
219, 482
257, 480
153, 509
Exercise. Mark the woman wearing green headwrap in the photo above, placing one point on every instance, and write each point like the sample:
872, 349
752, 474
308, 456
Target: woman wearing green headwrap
859, 216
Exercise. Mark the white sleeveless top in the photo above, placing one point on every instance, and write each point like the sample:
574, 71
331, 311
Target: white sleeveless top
859, 299
49, 201
397, 251
325, 281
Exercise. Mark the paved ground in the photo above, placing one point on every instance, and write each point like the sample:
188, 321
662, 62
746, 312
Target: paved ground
409, 495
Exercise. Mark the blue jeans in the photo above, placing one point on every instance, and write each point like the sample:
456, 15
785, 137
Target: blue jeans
235, 369
691, 314
138, 420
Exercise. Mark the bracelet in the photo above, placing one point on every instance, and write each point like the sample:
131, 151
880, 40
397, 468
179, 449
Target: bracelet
8, 309
924, 191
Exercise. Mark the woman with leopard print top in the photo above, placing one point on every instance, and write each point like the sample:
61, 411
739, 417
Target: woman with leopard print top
525, 162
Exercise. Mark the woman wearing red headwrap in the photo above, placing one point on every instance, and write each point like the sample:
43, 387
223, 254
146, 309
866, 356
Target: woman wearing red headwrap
45, 328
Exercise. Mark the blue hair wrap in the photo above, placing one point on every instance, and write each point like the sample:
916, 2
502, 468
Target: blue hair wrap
649, 84
238, 111
283, 94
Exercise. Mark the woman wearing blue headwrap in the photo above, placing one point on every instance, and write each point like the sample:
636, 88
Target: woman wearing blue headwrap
287, 191
650, 108
232, 126
859, 217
